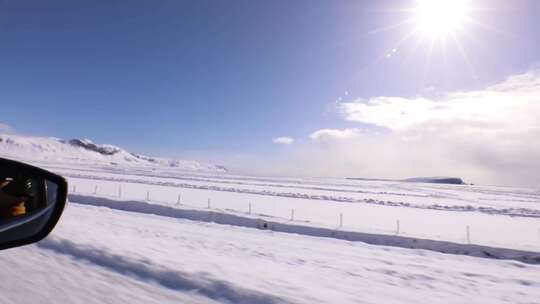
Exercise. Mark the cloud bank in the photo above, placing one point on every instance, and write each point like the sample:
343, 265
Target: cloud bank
511, 105
489, 136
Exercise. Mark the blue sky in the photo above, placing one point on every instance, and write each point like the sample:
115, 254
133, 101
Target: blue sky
206, 78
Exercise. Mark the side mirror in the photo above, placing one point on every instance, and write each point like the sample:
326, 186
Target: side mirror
31, 202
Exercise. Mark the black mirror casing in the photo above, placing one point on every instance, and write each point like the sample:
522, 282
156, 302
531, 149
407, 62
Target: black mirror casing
33, 228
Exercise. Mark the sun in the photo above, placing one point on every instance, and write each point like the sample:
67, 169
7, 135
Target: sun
438, 19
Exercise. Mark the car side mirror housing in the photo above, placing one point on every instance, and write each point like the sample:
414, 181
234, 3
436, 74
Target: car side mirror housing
31, 203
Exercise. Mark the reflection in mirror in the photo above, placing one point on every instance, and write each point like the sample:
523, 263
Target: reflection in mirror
23, 196
31, 202
51, 192
19, 196
24, 204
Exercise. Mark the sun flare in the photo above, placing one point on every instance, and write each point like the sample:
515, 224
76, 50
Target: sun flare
438, 19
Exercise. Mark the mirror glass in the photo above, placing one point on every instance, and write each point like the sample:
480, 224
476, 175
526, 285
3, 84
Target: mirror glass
26, 204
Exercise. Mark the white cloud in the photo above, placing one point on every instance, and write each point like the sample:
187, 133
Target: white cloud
4, 128
489, 136
324, 135
285, 140
511, 105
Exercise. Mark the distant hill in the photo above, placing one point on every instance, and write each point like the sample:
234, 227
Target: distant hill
431, 180
436, 180
84, 151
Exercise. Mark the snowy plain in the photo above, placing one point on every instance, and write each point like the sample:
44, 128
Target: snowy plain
480, 215
99, 255
106, 251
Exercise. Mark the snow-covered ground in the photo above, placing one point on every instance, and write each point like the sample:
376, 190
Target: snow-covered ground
491, 216
142, 231
101, 255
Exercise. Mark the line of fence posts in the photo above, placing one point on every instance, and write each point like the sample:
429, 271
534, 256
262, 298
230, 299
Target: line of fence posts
209, 206
292, 217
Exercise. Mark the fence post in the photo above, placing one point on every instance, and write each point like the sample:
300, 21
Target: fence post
249, 210
468, 230
178, 202
209, 207
397, 227
292, 214
95, 189
120, 191
74, 188
148, 195
340, 220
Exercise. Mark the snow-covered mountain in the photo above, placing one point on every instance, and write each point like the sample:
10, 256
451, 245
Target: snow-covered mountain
84, 151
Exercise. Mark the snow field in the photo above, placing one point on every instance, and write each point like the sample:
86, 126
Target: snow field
101, 255
491, 230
